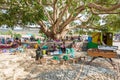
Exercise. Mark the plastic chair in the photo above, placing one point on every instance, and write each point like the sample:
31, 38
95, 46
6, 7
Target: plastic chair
72, 52
65, 57
11, 50
4, 50
25, 46
56, 58
20, 49
44, 52
60, 51
67, 51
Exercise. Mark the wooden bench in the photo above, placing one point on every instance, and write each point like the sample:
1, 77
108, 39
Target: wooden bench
96, 53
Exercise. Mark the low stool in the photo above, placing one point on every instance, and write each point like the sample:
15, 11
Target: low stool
81, 57
43, 61
73, 60
63, 62
54, 61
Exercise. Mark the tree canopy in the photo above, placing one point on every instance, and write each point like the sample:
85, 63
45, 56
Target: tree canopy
57, 17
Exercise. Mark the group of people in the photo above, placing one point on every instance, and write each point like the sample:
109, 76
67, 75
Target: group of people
12, 42
62, 47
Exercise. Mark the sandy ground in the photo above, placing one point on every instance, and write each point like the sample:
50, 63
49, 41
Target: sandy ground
23, 67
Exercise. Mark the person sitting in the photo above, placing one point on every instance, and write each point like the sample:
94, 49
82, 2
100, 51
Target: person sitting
10, 43
54, 47
63, 48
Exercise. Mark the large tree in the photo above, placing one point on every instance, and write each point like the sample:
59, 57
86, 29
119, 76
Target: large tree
57, 17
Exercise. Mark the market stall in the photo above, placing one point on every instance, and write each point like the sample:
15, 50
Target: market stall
101, 47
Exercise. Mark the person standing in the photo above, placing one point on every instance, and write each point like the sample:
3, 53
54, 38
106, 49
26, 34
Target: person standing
38, 53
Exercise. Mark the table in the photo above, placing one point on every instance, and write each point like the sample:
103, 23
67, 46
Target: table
107, 54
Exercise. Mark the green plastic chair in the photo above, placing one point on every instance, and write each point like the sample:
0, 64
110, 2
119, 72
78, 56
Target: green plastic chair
72, 52
65, 57
67, 51
45, 47
39, 41
56, 58
92, 45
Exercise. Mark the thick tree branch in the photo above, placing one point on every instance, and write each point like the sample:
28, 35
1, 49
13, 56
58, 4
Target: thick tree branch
49, 16
84, 27
4, 8
62, 13
42, 26
76, 26
101, 8
106, 12
71, 17
54, 10
77, 18
80, 26
45, 30
26, 2
39, 1
60, 18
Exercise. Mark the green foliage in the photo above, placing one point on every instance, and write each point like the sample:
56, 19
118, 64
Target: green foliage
32, 11
17, 35
81, 31
95, 19
107, 2
44, 1
102, 2
22, 13
9, 32
89, 32
113, 22
73, 4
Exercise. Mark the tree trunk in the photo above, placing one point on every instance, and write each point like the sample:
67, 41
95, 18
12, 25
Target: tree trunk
56, 36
